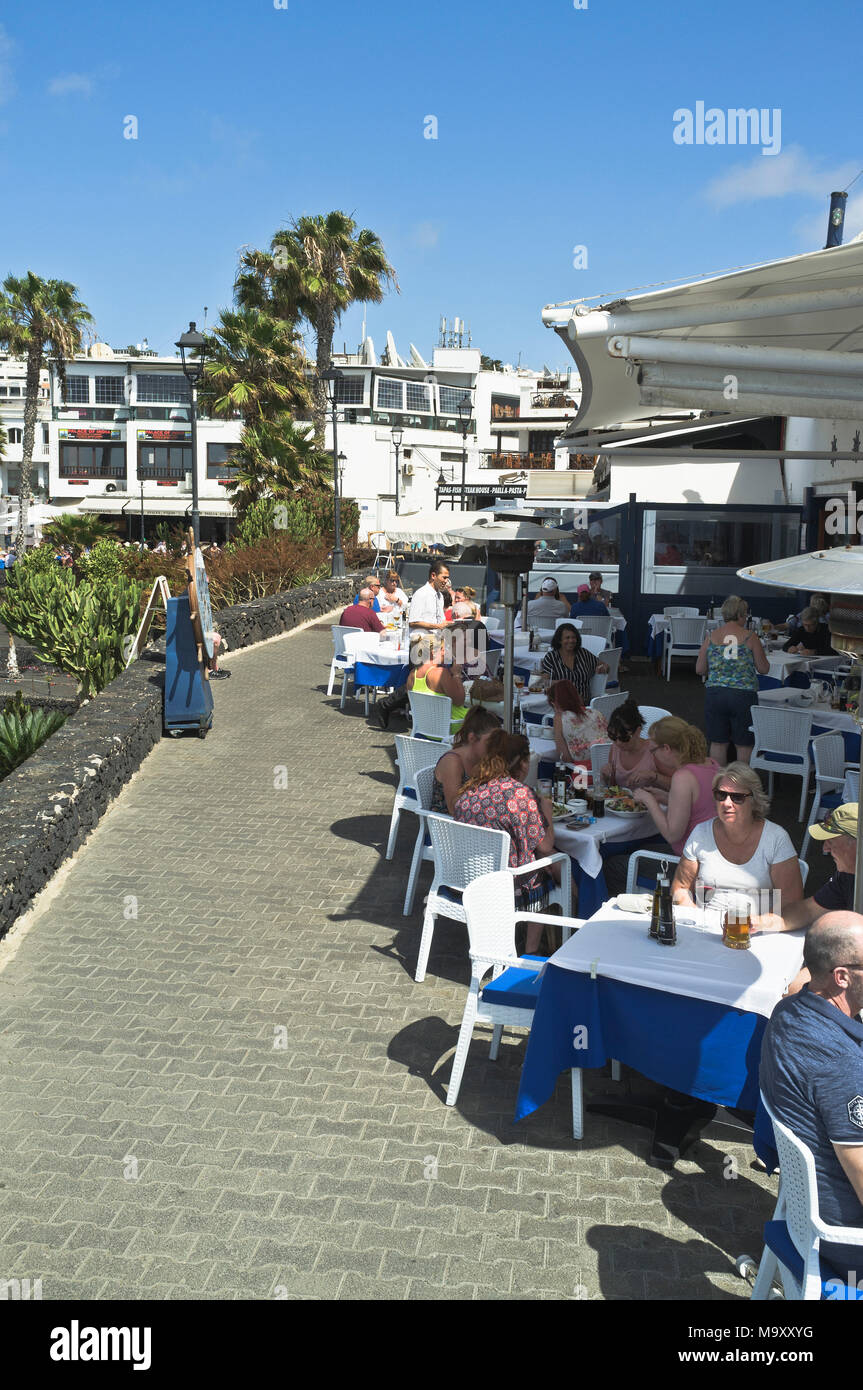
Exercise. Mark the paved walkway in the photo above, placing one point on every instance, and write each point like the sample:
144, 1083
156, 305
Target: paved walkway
220, 1080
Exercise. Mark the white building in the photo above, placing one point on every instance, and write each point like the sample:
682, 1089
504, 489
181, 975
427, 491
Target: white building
117, 441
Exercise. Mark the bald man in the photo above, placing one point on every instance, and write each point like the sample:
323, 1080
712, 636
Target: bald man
812, 1074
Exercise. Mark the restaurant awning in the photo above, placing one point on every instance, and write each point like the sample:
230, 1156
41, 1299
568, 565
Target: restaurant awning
428, 528
782, 338
115, 503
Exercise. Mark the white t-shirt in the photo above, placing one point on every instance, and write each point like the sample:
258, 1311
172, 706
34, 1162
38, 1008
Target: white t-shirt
426, 606
387, 603
721, 879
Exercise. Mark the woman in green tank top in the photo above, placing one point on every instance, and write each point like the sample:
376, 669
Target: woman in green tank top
429, 675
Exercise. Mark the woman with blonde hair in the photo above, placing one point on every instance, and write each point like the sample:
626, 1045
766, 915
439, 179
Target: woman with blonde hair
732, 659
431, 674
739, 851
681, 749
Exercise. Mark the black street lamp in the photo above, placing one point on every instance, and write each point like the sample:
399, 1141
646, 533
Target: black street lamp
191, 347
464, 412
330, 380
398, 435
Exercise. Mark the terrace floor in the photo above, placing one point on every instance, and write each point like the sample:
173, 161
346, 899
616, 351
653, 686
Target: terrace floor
221, 1081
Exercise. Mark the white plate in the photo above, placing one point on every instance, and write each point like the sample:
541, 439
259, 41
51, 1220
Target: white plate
624, 815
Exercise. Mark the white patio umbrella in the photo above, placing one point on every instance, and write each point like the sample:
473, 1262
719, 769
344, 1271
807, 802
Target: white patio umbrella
510, 551
839, 572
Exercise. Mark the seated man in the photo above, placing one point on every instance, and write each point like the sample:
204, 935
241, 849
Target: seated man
586, 605
372, 583
811, 637
596, 589
839, 833
812, 1074
360, 614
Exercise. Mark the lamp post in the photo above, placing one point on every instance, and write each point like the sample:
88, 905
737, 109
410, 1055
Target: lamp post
331, 381
464, 413
398, 435
191, 347
141, 480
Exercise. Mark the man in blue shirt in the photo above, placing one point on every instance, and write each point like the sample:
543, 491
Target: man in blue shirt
812, 1075
371, 582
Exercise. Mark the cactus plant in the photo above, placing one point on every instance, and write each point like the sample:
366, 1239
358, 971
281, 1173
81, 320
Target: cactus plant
22, 731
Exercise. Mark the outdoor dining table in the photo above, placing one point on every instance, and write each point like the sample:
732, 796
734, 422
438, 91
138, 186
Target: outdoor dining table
380, 662
825, 719
690, 1017
585, 846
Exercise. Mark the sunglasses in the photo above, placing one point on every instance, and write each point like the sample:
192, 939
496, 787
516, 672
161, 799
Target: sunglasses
737, 797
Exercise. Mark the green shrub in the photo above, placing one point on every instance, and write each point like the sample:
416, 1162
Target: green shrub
104, 564
74, 624
22, 731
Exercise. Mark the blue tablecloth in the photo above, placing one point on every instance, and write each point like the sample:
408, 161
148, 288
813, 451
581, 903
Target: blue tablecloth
703, 1049
366, 674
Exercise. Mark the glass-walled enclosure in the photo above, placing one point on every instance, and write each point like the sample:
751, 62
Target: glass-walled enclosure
687, 549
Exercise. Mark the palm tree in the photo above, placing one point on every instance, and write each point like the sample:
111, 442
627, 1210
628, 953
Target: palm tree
38, 318
315, 269
273, 458
255, 368
77, 532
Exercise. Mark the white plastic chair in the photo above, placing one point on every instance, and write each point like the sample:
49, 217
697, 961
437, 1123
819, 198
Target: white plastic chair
793, 1237
684, 639
598, 758
782, 745
651, 714
509, 999
607, 704
412, 754
431, 715
680, 613
422, 848
461, 854
594, 625
342, 662
828, 756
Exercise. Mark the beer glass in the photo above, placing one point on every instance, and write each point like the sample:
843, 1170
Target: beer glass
737, 924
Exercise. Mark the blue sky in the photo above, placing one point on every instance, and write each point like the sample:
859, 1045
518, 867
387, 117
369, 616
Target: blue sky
554, 131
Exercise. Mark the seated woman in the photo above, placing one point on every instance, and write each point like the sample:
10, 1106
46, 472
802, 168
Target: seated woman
740, 852
680, 750
468, 749
576, 726
495, 796
568, 660
431, 673
631, 762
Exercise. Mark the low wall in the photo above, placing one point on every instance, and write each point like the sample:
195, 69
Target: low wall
50, 804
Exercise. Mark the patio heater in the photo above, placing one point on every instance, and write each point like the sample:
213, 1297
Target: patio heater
837, 572
511, 546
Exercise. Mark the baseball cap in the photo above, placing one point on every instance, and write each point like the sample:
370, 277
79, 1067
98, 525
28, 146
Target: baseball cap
584, 588
841, 821
548, 586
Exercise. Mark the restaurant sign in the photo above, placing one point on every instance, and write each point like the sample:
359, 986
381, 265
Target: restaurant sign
88, 434
163, 434
482, 490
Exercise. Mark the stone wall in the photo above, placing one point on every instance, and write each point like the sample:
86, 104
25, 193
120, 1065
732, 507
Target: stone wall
50, 804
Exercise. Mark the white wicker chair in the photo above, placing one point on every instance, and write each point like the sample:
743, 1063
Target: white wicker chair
509, 999
431, 715
651, 714
680, 613
828, 756
594, 625
342, 662
610, 657
411, 755
598, 758
633, 883
684, 639
424, 783
607, 704
794, 1236
463, 853
782, 745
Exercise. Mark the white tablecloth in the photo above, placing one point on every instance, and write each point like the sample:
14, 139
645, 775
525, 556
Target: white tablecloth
379, 653
658, 623
583, 844
822, 714
782, 664
616, 944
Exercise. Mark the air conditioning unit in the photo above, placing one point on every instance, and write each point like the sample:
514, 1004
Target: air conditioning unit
408, 470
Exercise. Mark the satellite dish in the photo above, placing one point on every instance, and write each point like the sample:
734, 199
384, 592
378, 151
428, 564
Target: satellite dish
101, 350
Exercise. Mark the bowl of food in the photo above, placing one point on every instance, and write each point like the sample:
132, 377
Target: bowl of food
623, 805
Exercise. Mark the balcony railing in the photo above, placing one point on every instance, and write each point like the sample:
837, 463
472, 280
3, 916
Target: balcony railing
553, 400
491, 459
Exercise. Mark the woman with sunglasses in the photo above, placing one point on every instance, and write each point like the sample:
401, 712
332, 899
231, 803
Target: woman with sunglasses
631, 762
680, 750
740, 852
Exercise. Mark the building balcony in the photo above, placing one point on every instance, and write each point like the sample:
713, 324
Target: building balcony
514, 460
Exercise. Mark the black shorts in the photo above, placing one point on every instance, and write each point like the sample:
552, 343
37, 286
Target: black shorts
728, 715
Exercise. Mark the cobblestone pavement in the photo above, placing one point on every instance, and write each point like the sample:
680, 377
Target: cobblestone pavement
221, 1081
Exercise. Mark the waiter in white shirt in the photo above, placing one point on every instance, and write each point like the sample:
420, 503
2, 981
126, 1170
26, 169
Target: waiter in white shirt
427, 605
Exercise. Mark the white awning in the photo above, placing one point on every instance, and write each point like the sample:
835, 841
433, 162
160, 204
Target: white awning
783, 338
429, 528
836, 571
113, 505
